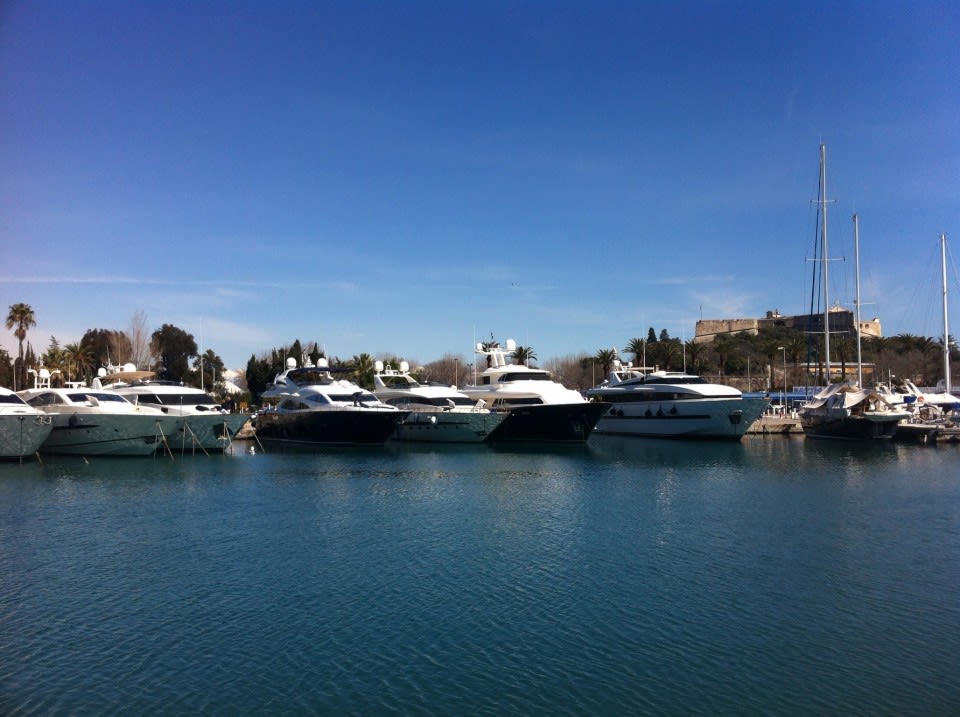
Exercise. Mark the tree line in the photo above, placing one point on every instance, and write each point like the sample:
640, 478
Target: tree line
763, 361
170, 352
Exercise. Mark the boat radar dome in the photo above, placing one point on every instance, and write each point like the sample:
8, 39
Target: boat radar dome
322, 362
404, 366
511, 344
291, 362
378, 366
101, 372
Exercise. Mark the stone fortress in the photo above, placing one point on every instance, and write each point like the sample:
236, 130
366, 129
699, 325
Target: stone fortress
841, 321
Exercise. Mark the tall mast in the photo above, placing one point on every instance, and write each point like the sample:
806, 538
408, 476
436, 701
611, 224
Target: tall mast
826, 260
946, 330
856, 254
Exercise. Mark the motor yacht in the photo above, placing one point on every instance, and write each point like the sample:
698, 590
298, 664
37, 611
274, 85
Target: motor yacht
88, 422
668, 404
537, 408
23, 428
205, 425
436, 412
313, 409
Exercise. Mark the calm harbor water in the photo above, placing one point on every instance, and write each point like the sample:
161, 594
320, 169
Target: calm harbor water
772, 576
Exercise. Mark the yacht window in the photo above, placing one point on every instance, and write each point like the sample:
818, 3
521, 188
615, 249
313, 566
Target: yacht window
525, 376
82, 397
44, 399
505, 402
180, 399
11, 398
363, 397
399, 382
318, 398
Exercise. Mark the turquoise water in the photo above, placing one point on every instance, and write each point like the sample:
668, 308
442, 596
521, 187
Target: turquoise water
772, 576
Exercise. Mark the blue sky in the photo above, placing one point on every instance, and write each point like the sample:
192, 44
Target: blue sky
408, 177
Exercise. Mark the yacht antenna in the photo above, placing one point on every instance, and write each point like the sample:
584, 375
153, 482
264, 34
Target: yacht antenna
856, 254
826, 281
946, 331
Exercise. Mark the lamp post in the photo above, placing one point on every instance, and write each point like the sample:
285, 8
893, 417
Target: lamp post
784, 396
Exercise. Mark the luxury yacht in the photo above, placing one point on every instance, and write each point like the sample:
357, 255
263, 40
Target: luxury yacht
537, 408
23, 429
313, 409
87, 422
666, 404
437, 412
205, 424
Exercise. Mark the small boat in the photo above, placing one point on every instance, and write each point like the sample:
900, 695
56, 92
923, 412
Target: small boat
23, 429
537, 408
87, 422
844, 410
667, 404
205, 425
437, 412
313, 409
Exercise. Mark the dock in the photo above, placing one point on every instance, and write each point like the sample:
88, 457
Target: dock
775, 424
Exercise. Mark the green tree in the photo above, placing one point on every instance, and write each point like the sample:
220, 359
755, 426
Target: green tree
21, 319
79, 361
363, 368
209, 371
523, 355
108, 347
605, 357
638, 347
174, 347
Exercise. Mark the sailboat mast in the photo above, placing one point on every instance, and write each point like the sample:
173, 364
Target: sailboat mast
856, 255
946, 329
825, 259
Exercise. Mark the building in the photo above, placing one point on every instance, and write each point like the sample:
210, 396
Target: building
841, 322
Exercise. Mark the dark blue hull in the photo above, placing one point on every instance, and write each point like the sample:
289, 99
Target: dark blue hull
327, 428
565, 423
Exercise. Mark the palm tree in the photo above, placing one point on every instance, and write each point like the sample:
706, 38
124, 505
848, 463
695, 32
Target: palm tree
363, 367
671, 353
78, 357
696, 355
605, 357
22, 317
638, 347
524, 354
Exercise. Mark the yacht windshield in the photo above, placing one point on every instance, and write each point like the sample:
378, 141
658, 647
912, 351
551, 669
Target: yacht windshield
525, 376
12, 398
84, 396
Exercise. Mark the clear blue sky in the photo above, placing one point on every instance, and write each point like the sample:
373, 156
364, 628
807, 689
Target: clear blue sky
403, 177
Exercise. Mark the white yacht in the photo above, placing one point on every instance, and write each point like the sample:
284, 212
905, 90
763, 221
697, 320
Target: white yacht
87, 422
437, 412
314, 409
206, 425
537, 407
23, 429
667, 404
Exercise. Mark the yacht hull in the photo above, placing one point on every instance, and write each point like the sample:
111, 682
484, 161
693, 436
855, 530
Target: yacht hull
91, 434
22, 434
316, 429
549, 422
448, 427
211, 432
720, 418
848, 427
